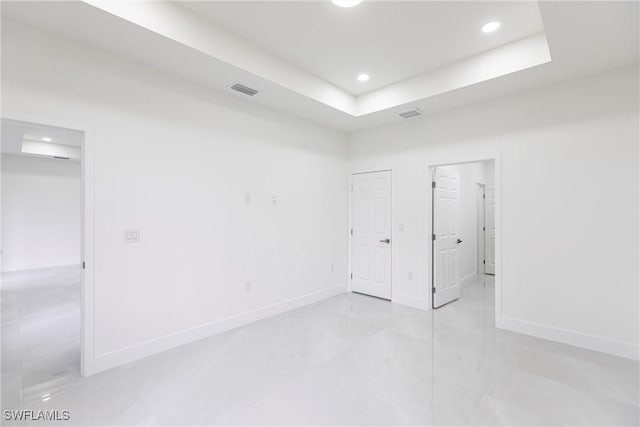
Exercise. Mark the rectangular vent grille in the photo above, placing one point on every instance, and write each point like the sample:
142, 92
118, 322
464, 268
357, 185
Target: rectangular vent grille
411, 113
243, 89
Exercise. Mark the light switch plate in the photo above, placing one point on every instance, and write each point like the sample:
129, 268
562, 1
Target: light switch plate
131, 236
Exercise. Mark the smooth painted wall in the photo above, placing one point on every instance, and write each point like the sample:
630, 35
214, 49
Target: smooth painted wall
569, 203
242, 210
40, 212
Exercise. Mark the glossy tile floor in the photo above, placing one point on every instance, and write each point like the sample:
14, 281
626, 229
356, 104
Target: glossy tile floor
348, 360
40, 332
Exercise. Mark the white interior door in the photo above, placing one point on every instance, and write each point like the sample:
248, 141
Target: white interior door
490, 229
446, 203
371, 241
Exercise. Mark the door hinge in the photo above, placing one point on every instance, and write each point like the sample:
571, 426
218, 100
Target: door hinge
433, 237
433, 184
484, 261
433, 290
484, 197
352, 231
83, 265
483, 229
352, 188
351, 276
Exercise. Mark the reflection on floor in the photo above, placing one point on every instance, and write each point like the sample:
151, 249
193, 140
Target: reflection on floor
348, 360
40, 333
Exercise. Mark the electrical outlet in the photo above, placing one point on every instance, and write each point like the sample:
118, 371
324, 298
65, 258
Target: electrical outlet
247, 287
333, 268
247, 199
274, 199
410, 275
131, 236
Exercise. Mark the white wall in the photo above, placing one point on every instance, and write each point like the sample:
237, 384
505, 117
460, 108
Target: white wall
40, 212
195, 171
568, 181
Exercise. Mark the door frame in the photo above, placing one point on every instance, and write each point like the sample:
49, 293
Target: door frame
450, 160
88, 362
484, 199
350, 228
480, 191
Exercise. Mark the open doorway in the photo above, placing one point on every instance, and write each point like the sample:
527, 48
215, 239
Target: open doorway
463, 229
42, 259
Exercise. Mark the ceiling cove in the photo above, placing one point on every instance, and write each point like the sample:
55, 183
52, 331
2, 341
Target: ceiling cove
411, 51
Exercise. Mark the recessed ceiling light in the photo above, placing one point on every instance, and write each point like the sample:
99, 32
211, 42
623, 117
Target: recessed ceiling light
490, 27
346, 3
46, 139
363, 77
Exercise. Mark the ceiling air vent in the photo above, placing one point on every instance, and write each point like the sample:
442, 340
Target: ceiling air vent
243, 89
410, 113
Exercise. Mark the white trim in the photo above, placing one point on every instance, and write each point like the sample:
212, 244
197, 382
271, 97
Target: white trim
87, 309
481, 222
349, 236
148, 348
565, 336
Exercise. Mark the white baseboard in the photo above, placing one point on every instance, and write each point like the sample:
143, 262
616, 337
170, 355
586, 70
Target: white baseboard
38, 267
565, 336
468, 279
144, 349
411, 301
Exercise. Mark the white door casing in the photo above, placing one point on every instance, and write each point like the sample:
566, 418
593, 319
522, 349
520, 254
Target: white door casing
490, 229
446, 204
371, 229
481, 228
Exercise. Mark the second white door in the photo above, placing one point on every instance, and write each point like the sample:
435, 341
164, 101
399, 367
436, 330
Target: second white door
446, 204
371, 240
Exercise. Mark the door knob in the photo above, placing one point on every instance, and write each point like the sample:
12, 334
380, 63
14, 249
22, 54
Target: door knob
459, 241
385, 241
